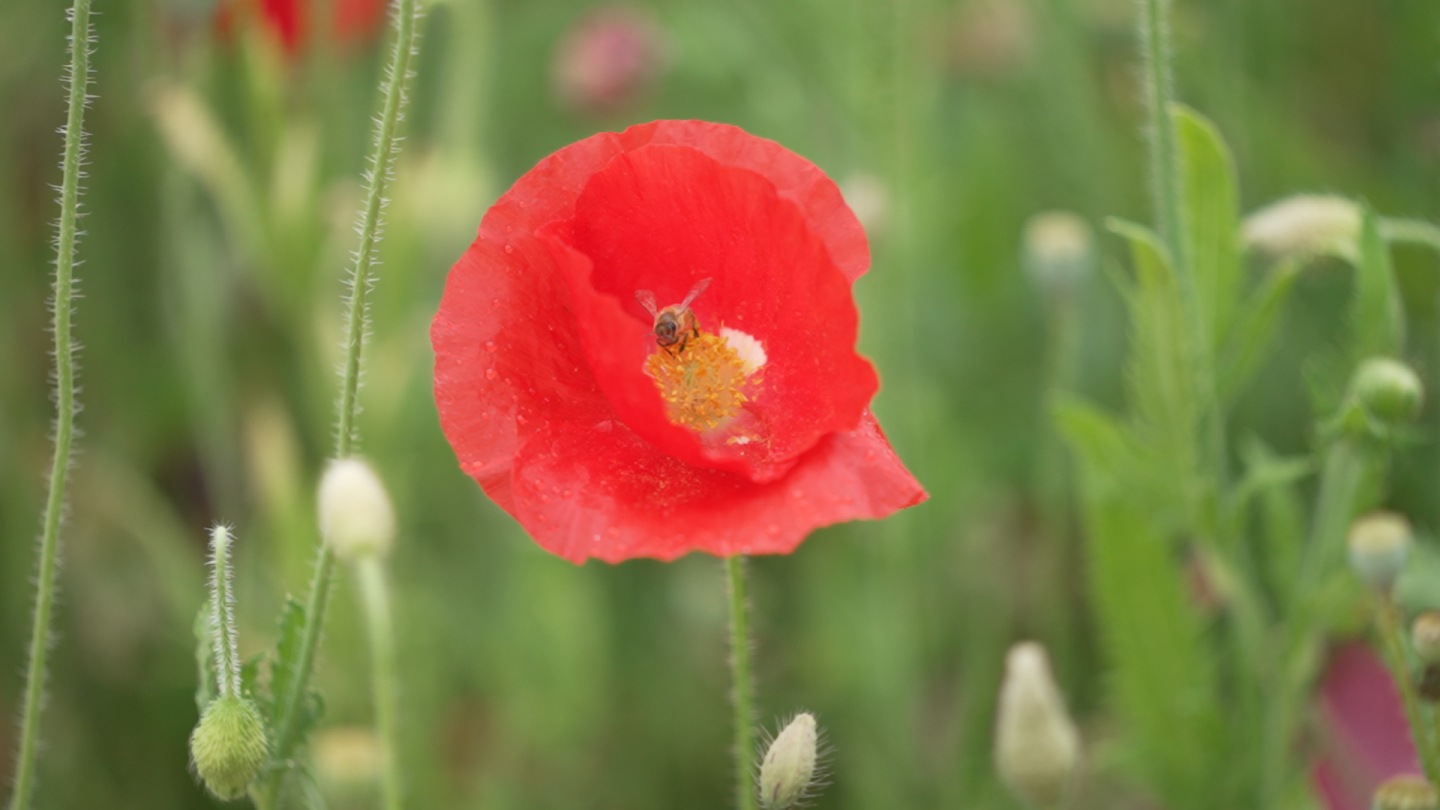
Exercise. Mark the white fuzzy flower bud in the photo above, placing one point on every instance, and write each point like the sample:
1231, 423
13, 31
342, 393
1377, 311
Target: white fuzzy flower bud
1305, 225
1036, 744
788, 770
1379, 544
356, 518
1059, 250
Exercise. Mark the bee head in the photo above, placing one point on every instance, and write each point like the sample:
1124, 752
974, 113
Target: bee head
665, 327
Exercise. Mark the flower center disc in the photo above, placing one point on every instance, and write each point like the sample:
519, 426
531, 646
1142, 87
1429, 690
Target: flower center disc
702, 384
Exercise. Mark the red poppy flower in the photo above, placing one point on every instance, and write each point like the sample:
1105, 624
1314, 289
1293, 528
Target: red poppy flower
749, 428
352, 21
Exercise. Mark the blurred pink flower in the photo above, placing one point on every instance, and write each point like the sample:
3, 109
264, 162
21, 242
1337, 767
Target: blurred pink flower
1367, 739
608, 59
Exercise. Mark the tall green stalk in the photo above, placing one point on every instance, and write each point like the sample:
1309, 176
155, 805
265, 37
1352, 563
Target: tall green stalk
744, 686
79, 79
375, 597
1164, 151
382, 161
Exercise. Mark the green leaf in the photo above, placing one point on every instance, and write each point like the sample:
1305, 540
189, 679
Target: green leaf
1254, 329
284, 669
1095, 436
1212, 223
1162, 674
1161, 373
1272, 481
1376, 316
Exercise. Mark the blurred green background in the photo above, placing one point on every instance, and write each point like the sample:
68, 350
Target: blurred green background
224, 177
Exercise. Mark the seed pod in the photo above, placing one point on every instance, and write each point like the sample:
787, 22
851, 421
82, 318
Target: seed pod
1379, 544
1405, 793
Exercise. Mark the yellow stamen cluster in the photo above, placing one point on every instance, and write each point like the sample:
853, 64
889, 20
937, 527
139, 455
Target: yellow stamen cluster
702, 384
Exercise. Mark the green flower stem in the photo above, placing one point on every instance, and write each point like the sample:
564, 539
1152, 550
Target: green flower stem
1164, 152
375, 598
744, 688
79, 79
1346, 466
1387, 618
381, 162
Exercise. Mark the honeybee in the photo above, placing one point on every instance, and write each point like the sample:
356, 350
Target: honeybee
675, 324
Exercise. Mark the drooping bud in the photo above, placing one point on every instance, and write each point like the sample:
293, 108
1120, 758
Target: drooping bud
1425, 636
1405, 793
787, 773
1305, 225
228, 746
356, 518
1379, 544
1036, 744
1389, 390
1059, 250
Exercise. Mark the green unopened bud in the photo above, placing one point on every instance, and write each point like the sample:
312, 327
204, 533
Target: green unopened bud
228, 746
1305, 225
1425, 636
1059, 250
1036, 744
1388, 389
788, 771
1379, 544
1405, 793
356, 518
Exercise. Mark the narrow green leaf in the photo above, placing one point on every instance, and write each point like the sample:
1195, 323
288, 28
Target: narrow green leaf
284, 668
1250, 338
1377, 316
1162, 674
1211, 219
1095, 436
1162, 375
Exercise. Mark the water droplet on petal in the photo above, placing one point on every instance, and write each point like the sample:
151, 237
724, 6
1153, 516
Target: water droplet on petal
509, 248
772, 530
490, 374
520, 418
494, 302
565, 493
613, 531
490, 346
544, 498
870, 456
543, 519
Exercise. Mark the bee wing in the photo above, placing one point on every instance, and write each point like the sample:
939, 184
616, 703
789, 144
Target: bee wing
647, 300
695, 292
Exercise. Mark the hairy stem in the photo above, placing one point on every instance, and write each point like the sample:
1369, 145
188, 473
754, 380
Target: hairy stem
375, 598
222, 615
1163, 152
1387, 617
377, 175
79, 78
744, 688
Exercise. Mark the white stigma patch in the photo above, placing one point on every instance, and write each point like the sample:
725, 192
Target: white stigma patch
750, 350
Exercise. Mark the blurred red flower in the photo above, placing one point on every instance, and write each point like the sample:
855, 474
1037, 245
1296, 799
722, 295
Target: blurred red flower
608, 60
288, 21
1368, 739
745, 433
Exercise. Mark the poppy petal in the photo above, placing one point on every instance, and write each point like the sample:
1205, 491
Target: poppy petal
611, 495
770, 278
